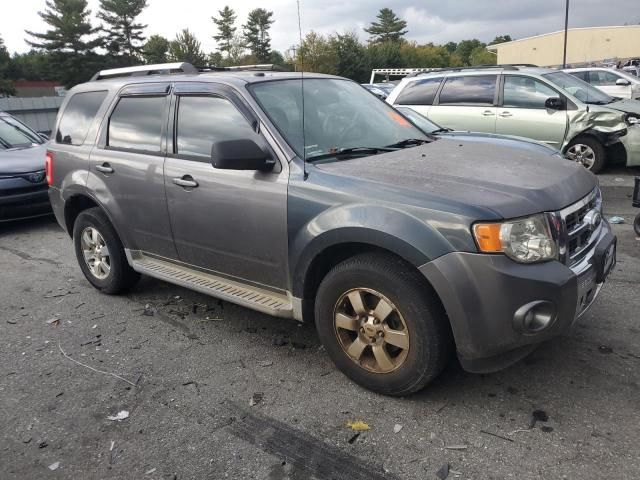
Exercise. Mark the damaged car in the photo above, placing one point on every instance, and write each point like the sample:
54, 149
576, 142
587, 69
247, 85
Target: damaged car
546, 105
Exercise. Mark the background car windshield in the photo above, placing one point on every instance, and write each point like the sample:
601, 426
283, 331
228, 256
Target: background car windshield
14, 134
421, 121
338, 114
579, 89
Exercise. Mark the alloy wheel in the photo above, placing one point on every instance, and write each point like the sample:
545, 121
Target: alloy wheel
371, 330
96, 253
582, 154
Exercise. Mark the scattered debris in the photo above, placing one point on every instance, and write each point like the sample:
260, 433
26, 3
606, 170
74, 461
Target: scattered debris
618, 180
280, 341
251, 330
54, 466
26, 439
358, 425
442, 407
298, 345
54, 321
43, 444
79, 305
59, 394
11, 322
538, 416
456, 447
454, 472
546, 429
396, 428
265, 363
149, 472
353, 438
496, 435
95, 369
149, 311
443, 472
112, 445
121, 415
605, 349
63, 294
616, 220
255, 399
520, 430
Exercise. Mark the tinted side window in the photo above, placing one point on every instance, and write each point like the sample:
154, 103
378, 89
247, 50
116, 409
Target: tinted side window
526, 92
471, 90
136, 123
581, 75
77, 116
420, 92
204, 120
601, 78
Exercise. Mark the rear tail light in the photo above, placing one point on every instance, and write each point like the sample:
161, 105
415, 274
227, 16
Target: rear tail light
48, 167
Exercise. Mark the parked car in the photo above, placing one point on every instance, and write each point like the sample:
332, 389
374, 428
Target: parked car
23, 186
400, 246
380, 90
616, 83
543, 104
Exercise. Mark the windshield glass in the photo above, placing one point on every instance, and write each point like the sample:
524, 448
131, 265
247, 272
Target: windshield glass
578, 88
14, 134
338, 115
420, 120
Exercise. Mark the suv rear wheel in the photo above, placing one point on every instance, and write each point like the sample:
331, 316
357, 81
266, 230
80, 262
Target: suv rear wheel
381, 326
588, 152
100, 253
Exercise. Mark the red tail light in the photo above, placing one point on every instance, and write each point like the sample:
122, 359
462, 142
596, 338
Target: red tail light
48, 167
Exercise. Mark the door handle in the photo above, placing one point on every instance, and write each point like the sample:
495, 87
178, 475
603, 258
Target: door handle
104, 168
506, 114
488, 113
186, 181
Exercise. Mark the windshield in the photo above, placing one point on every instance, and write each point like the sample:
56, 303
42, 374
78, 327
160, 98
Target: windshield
578, 88
14, 134
420, 120
338, 115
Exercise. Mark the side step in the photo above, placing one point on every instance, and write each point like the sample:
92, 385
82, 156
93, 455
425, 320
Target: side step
248, 296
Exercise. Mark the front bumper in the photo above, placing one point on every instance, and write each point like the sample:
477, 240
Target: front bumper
482, 294
20, 205
631, 142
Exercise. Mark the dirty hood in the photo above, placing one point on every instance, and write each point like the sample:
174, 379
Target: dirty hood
22, 160
626, 105
510, 181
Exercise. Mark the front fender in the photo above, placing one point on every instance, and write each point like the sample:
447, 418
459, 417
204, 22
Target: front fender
380, 226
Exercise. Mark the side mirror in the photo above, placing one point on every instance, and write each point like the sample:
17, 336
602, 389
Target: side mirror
554, 103
241, 154
623, 82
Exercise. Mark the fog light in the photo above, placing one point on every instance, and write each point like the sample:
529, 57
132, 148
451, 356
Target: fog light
534, 317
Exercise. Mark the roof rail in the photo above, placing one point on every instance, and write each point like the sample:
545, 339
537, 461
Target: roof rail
397, 72
504, 66
262, 67
142, 70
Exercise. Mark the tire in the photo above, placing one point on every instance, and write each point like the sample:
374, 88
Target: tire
636, 224
415, 310
119, 277
588, 152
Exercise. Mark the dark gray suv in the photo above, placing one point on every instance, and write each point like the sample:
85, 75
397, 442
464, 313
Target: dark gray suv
311, 199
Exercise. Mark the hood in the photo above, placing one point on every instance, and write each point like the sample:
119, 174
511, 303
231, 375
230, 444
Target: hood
502, 140
626, 105
512, 182
22, 160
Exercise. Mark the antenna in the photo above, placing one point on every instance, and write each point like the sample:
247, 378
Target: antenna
301, 50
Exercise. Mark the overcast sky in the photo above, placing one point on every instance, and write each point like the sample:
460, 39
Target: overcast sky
428, 20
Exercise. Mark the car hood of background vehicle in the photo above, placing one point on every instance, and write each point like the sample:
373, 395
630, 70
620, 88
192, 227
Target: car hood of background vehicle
510, 181
625, 105
503, 140
22, 160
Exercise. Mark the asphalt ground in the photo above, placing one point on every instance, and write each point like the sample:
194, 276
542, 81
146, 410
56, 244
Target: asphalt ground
188, 367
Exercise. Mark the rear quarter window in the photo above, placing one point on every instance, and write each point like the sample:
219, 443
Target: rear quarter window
420, 92
470, 90
77, 117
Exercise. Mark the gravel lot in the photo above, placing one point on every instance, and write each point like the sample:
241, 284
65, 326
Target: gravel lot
190, 367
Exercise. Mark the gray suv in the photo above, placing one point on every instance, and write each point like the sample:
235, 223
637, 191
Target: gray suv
312, 199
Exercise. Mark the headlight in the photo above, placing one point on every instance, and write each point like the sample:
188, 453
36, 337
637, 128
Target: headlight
526, 240
632, 119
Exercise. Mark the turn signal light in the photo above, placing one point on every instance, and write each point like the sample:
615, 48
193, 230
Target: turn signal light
48, 167
488, 237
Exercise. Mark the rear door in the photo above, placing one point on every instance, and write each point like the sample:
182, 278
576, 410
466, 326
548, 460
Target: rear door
522, 111
232, 222
126, 168
467, 103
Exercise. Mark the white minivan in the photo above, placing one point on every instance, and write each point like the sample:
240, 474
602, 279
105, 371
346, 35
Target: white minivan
616, 83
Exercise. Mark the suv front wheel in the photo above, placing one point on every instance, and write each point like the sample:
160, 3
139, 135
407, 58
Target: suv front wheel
381, 325
588, 152
100, 253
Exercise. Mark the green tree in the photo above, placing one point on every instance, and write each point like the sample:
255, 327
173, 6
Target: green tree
451, 46
122, 37
155, 50
465, 47
349, 56
482, 56
186, 48
385, 55
68, 41
6, 85
314, 55
501, 39
388, 28
226, 29
256, 33
33, 65
424, 56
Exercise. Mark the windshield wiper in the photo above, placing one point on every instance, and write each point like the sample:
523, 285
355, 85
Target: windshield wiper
409, 142
342, 152
443, 130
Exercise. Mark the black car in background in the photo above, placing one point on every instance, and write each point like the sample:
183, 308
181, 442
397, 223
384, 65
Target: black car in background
23, 182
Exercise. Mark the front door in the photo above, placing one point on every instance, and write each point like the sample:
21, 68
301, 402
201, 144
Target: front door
523, 112
231, 222
607, 82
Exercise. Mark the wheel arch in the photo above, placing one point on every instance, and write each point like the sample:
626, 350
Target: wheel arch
80, 201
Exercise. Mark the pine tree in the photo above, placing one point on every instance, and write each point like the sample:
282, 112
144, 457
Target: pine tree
388, 28
122, 37
68, 43
155, 50
226, 29
256, 33
187, 48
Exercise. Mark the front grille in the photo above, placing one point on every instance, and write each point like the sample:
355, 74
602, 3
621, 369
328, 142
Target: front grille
582, 222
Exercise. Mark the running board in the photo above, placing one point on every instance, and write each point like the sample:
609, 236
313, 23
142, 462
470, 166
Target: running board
248, 296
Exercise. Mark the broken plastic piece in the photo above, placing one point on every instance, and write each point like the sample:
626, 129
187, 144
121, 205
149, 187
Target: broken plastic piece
358, 425
121, 415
